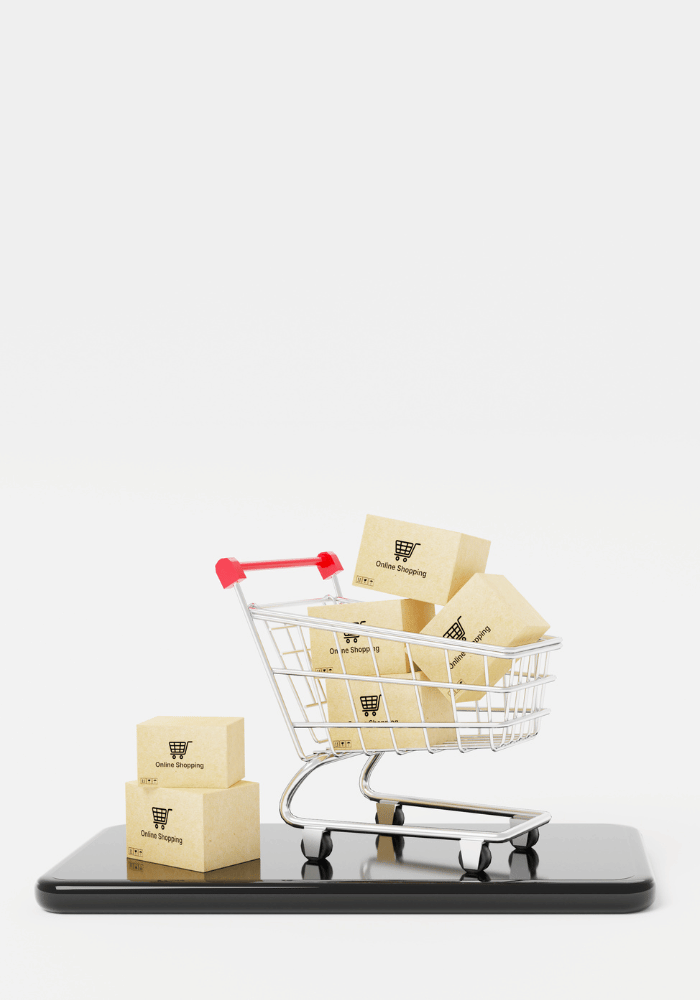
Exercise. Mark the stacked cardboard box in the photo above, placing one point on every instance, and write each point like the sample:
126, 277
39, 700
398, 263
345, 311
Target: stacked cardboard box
447, 568
191, 807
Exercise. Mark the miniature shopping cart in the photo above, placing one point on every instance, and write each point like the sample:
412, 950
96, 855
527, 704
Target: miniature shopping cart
481, 716
160, 816
348, 636
455, 631
370, 703
404, 550
179, 749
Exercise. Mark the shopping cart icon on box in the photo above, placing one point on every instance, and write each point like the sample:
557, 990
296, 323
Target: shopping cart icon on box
370, 703
455, 631
179, 749
351, 636
404, 550
160, 816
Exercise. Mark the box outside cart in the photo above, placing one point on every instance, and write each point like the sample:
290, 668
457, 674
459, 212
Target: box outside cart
190, 751
200, 829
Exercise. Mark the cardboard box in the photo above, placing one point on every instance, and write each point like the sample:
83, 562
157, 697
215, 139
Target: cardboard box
355, 653
371, 706
487, 609
190, 751
196, 828
410, 560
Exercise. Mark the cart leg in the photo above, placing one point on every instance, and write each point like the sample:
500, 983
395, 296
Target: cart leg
526, 841
474, 855
389, 813
316, 845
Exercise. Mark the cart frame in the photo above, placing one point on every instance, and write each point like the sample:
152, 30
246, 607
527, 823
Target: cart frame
511, 714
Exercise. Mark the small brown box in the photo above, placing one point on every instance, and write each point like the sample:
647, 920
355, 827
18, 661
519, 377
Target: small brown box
200, 829
487, 609
370, 704
355, 654
176, 751
410, 560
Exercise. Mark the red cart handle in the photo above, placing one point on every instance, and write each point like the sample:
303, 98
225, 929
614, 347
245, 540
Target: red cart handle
230, 571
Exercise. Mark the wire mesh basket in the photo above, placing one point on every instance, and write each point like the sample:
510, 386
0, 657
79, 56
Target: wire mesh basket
431, 715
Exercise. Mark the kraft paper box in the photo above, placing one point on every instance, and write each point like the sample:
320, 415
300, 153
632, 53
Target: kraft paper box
201, 829
487, 609
355, 654
190, 751
371, 706
410, 560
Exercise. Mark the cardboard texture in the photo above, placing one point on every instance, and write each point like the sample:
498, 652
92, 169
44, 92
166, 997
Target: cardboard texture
411, 560
190, 751
370, 706
200, 829
487, 609
355, 653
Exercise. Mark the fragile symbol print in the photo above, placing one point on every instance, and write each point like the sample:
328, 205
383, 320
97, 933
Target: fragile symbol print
404, 550
178, 749
160, 816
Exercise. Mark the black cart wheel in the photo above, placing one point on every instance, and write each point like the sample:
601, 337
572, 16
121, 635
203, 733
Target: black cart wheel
484, 859
317, 870
324, 850
398, 819
532, 837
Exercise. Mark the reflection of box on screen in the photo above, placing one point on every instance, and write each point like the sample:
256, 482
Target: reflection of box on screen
196, 828
190, 751
370, 702
149, 871
411, 560
487, 609
353, 651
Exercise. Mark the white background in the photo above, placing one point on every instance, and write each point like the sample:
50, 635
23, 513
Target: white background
271, 266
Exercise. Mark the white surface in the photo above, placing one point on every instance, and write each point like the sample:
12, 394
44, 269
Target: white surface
271, 266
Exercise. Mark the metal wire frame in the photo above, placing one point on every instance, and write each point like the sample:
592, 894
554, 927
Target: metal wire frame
507, 713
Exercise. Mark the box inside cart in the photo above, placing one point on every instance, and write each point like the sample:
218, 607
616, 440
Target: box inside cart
412, 560
352, 653
374, 702
487, 609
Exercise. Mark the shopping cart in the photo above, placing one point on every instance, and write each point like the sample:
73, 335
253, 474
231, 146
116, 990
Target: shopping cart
348, 636
455, 631
160, 816
505, 714
178, 749
370, 703
404, 550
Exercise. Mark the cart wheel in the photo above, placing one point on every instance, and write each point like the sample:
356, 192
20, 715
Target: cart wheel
398, 557
317, 870
405, 560
484, 859
173, 755
398, 819
320, 852
527, 841
181, 756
